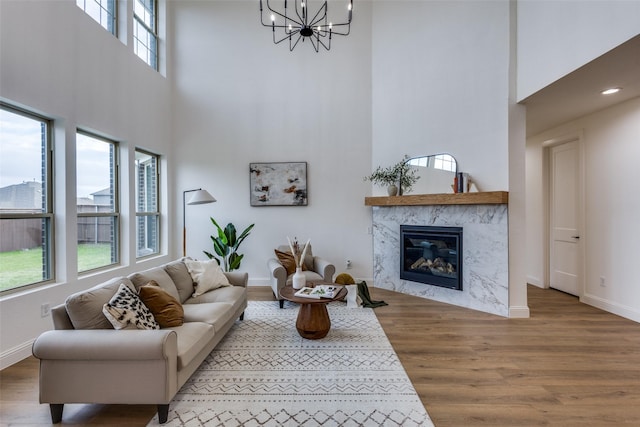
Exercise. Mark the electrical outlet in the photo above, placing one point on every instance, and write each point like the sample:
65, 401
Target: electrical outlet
348, 264
45, 309
603, 282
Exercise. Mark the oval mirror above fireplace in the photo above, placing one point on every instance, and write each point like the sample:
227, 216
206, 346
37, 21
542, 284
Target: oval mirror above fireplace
436, 174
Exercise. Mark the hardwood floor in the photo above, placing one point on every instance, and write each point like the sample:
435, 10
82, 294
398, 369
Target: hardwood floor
568, 365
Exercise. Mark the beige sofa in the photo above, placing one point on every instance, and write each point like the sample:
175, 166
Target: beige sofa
85, 360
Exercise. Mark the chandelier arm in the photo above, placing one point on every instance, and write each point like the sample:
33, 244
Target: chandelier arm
324, 16
275, 12
313, 43
294, 45
302, 19
288, 36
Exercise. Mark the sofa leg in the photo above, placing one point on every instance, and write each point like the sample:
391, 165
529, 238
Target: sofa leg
242, 316
163, 413
281, 303
56, 412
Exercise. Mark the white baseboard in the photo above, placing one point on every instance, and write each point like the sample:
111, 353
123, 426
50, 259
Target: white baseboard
614, 308
535, 281
15, 354
261, 281
519, 312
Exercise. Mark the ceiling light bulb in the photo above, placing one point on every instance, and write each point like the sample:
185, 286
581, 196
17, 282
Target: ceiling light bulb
611, 91
319, 28
350, 6
330, 25
302, 4
273, 18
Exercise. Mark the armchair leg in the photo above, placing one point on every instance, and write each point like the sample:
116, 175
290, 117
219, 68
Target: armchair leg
163, 413
242, 316
56, 412
281, 303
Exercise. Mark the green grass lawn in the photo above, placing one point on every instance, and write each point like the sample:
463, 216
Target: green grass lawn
18, 268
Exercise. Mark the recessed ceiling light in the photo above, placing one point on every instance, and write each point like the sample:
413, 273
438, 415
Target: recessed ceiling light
611, 91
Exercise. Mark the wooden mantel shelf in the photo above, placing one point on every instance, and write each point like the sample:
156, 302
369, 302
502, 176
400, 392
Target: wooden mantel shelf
483, 198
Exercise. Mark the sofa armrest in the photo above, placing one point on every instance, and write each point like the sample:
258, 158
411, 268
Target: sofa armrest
237, 278
106, 344
277, 270
324, 268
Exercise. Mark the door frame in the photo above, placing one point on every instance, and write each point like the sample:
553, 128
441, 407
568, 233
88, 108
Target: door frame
578, 137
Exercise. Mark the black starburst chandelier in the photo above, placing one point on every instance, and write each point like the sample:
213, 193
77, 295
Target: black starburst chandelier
300, 24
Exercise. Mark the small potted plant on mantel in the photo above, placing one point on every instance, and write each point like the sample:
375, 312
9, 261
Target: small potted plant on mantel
400, 173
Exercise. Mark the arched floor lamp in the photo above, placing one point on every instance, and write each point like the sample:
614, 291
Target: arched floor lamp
200, 197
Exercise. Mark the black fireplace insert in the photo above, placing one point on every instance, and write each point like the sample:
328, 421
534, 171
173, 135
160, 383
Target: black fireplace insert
431, 255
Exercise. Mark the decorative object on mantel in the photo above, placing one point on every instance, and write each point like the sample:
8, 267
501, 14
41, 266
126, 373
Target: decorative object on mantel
400, 173
300, 24
436, 171
226, 246
278, 184
298, 279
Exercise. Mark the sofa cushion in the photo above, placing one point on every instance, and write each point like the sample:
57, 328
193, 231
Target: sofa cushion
212, 313
179, 273
126, 311
192, 338
160, 276
207, 275
85, 308
165, 309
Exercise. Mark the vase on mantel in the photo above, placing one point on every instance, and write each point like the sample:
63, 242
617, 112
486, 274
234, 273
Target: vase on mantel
392, 190
299, 279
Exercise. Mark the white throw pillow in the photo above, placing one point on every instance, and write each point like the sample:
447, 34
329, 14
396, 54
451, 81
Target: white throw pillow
127, 311
207, 275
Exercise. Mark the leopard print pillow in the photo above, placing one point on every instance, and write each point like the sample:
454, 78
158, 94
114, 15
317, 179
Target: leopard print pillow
125, 310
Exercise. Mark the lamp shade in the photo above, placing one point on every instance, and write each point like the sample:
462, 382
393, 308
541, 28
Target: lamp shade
201, 197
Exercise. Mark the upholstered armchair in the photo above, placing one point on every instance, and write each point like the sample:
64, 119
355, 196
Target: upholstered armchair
316, 269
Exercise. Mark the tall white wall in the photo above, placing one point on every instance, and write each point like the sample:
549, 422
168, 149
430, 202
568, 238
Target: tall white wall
611, 235
60, 63
557, 37
239, 98
441, 84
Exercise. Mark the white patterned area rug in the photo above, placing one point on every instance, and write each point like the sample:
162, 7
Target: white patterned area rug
264, 374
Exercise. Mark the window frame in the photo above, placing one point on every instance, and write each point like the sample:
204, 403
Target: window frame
152, 31
156, 213
114, 15
115, 214
48, 214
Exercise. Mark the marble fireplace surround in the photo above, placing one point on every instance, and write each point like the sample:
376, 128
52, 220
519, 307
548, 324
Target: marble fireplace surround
483, 217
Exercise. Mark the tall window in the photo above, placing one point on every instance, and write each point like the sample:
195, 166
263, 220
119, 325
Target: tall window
97, 203
102, 11
26, 205
145, 31
147, 211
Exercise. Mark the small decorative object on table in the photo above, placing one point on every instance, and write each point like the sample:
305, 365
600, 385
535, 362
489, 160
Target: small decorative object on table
319, 291
299, 279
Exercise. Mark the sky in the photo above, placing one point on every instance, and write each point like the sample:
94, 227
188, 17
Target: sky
20, 155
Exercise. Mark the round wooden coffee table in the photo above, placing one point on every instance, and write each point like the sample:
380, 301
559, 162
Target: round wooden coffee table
313, 321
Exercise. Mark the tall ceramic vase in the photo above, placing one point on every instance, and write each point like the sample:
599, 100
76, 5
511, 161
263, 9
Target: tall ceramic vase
299, 279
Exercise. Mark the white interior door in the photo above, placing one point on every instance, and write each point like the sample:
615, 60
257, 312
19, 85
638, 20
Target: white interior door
564, 203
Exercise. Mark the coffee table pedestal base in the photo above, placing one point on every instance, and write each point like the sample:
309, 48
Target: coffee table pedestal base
313, 321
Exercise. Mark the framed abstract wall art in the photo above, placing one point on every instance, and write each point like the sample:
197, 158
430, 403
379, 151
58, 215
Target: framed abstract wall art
278, 184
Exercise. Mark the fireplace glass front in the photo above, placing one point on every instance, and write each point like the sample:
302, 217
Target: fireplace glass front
431, 255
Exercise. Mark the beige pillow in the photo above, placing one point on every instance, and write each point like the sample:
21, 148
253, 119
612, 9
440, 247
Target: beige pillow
289, 262
167, 311
207, 275
85, 308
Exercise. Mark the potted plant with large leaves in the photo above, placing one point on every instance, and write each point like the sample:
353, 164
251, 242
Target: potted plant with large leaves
226, 245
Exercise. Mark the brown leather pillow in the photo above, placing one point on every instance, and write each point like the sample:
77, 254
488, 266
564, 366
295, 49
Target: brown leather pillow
165, 308
287, 261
